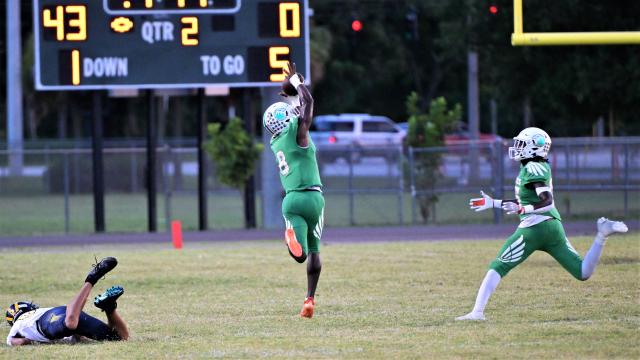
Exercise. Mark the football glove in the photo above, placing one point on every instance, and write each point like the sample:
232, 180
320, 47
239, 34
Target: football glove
484, 203
512, 208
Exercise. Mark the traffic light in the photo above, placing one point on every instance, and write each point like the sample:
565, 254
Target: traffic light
411, 25
493, 9
356, 25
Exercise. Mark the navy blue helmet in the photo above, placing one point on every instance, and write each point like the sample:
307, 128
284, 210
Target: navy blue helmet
16, 309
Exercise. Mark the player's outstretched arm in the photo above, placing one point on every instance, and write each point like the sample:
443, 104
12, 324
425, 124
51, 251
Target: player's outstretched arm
545, 203
306, 103
487, 202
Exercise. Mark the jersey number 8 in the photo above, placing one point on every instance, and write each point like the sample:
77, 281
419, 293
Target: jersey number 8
282, 163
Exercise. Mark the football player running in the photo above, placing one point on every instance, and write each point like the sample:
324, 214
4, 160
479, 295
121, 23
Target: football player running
31, 324
303, 204
540, 223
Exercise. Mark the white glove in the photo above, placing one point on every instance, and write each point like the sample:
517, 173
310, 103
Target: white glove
513, 208
484, 203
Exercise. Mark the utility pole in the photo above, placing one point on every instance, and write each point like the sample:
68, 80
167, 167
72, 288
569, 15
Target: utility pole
473, 104
494, 116
15, 137
473, 93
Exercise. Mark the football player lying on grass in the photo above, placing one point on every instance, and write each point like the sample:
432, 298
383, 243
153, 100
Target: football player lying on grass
540, 223
31, 324
303, 204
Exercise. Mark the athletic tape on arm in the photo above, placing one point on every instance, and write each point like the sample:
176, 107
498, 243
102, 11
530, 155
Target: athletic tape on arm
295, 81
540, 190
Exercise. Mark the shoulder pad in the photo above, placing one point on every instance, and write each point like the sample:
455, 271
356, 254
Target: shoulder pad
536, 169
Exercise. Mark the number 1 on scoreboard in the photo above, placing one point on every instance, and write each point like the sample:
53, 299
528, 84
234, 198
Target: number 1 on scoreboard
75, 67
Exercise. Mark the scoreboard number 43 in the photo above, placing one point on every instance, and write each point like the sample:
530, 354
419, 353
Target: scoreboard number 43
104, 44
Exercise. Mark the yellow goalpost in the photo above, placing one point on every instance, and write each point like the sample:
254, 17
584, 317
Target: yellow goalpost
520, 38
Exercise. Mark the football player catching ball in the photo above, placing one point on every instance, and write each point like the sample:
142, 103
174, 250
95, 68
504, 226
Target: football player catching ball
303, 204
540, 223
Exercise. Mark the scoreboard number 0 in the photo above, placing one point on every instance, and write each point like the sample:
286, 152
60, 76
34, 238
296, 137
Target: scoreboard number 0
285, 30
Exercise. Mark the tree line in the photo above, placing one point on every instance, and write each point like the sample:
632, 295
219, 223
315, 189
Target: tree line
406, 46
565, 89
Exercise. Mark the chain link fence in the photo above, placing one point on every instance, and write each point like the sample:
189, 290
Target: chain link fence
372, 186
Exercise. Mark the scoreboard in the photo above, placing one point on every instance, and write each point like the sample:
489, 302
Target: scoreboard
144, 44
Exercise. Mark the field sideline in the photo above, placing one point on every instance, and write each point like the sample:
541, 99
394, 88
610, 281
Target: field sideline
375, 300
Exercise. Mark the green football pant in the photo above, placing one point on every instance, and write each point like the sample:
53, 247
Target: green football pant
303, 212
547, 236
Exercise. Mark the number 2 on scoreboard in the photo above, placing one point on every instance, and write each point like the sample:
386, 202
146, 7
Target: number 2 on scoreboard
189, 31
276, 62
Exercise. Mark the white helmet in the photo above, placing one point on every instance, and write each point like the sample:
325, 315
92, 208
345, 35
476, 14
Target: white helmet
276, 118
531, 142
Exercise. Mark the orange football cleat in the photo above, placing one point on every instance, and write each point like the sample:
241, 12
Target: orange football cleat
307, 308
292, 243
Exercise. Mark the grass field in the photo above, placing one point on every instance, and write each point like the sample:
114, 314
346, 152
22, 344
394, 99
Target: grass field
377, 300
44, 214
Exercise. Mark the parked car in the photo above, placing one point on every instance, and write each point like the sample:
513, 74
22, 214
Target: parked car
358, 134
459, 136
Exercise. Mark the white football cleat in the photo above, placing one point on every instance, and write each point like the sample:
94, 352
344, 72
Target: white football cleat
607, 227
476, 316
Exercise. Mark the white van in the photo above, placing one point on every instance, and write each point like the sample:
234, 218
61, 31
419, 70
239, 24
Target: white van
361, 134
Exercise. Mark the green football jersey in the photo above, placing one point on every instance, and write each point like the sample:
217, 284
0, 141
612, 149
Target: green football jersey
298, 165
530, 173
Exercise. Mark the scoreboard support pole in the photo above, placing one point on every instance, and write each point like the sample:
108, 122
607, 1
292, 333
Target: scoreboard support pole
270, 177
202, 164
98, 165
250, 187
152, 141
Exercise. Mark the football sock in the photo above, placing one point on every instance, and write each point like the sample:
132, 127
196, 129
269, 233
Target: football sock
489, 284
606, 227
592, 258
314, 266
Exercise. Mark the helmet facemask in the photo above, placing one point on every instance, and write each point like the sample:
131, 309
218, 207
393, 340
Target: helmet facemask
516, 151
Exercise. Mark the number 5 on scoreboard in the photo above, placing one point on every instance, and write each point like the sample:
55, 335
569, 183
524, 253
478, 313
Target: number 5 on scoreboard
276, 61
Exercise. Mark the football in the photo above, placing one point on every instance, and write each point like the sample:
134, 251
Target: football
288, 89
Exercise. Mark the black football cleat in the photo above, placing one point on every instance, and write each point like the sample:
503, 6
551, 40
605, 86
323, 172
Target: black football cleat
101, 269
107, 300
